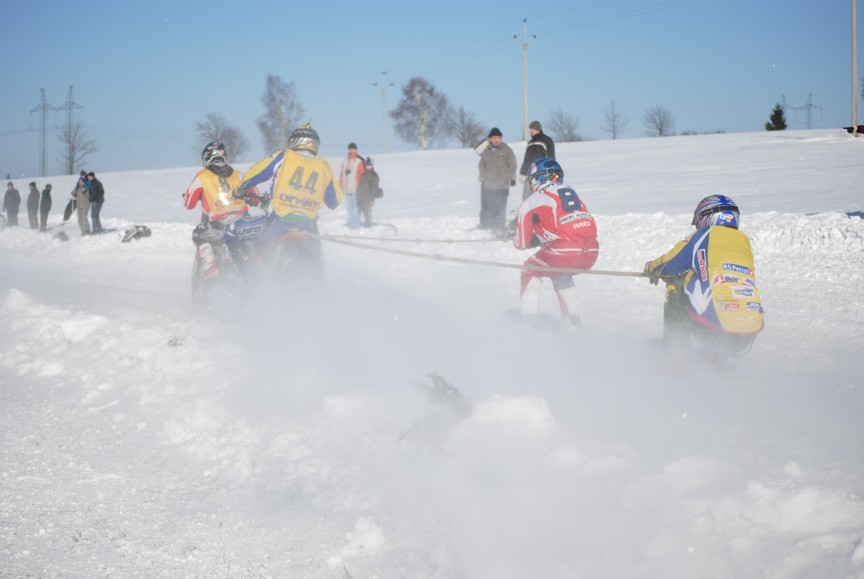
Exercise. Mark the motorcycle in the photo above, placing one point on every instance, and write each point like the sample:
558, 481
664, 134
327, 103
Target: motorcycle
256, 248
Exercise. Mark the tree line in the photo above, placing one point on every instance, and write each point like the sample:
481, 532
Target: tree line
424, 116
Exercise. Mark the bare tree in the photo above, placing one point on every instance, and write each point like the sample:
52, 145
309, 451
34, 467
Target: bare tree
615, 121
216, 128
282, 113
465, 128
563, 126
77, 145
422, 114
659, 122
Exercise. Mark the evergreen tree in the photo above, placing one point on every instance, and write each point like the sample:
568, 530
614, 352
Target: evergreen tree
777, 120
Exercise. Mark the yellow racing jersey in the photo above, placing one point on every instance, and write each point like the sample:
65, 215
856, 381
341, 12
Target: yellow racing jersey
299, 186
714, 267
216, 195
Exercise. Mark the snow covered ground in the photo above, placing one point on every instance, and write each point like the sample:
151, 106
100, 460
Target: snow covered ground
302, 435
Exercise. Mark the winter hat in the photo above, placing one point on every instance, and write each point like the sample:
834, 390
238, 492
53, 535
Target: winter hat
495, 132
369, 162
83, 173
536, 126
33, 184
91, 174
352, 146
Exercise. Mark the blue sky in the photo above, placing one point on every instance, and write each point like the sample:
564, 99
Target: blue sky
146, 72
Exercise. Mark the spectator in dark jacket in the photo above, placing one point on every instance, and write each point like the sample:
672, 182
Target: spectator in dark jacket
33, 206
368, 191
97, 198
541, 145
11, 204
45, 207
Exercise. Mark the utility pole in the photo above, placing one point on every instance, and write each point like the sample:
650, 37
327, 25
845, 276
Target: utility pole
525, 44
854, 73
42, 108
384, 86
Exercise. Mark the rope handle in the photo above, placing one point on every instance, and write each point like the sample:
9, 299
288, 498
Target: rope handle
439, 257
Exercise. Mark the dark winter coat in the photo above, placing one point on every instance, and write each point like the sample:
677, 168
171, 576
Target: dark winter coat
97, 192
45, 206
12, 201
33, 200
541, 145
368, 189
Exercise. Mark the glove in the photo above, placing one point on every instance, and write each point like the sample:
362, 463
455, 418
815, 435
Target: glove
512, 182
653, 279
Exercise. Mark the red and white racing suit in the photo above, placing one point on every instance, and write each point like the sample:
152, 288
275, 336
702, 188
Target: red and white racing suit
556, 218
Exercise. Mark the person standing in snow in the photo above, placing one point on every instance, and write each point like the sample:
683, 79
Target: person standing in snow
368, 191
540, 146
300, 183
82, 205
497, 174
45, 207
33, 206
555, 218
349, 178
11, 204
710, 277
97, 198
213, 186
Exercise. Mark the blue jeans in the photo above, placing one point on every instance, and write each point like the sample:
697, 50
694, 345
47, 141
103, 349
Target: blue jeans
95, 208
353, 211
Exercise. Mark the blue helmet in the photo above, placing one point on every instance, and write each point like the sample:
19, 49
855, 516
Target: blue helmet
716, 210
545, 171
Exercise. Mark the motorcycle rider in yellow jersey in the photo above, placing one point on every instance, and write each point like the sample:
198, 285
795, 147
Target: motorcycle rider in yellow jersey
711, 291
296, 184
213, 187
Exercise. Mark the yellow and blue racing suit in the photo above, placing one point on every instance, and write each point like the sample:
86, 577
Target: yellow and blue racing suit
714, 269
299, 187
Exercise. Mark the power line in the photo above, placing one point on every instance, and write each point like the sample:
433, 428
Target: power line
42, 109
809, 106
69, 106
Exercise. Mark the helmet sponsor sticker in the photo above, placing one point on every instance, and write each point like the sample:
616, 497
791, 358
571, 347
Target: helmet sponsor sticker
729, 306
754, 306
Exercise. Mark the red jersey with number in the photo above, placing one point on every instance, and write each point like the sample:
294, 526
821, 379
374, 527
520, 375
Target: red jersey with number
557, 214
